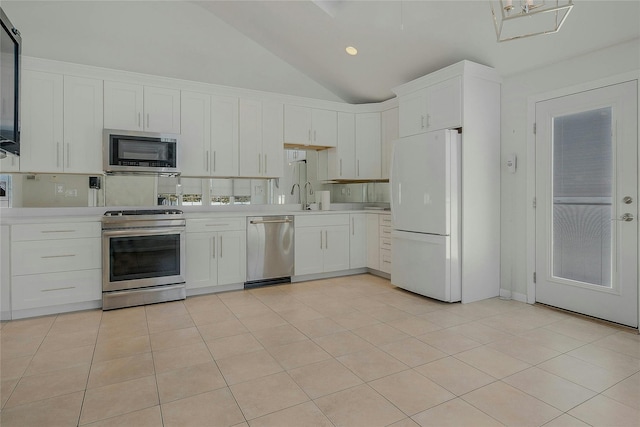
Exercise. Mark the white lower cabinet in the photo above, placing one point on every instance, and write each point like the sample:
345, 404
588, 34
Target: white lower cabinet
216, 252
55, 264
321, 243
373, 242
358, 241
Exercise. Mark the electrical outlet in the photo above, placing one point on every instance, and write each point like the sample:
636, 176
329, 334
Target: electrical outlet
59, 188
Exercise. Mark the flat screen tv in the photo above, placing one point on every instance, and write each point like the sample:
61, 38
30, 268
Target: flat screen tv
10, 42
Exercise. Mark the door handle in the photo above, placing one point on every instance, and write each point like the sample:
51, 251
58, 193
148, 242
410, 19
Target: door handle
627, 217
206, 161
326, 239
320, 239
627, 200
220, 246
213, 246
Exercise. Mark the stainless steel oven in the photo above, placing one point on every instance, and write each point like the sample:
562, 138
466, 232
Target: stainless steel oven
143, 257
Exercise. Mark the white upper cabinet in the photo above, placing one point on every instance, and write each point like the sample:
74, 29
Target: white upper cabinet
309, 126
438, 106
368, 146
389, 131
61, 124
195, 140
342, 159
224, 136
42, 127
83, 124
413, 113
123, 105
260, 135
141, 108
209, 136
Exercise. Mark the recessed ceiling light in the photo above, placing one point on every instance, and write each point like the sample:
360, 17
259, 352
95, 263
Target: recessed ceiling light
351, 50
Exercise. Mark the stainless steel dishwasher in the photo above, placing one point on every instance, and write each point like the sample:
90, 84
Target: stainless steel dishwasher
269, 250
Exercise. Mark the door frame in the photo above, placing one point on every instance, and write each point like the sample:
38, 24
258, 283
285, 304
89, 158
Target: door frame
531, 162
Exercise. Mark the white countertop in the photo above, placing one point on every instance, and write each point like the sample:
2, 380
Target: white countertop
9, 216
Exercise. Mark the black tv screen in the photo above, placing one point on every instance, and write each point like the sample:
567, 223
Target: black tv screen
10, 41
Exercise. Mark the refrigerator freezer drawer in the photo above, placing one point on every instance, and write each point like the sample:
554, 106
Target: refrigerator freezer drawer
424, 264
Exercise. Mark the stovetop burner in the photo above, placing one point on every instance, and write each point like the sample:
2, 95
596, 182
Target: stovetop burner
144, 212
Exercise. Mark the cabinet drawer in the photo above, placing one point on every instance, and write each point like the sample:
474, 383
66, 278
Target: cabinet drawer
321, 220
385, 232
57, 231
215, 224
385, 243
49, 256
43, 290
385, 260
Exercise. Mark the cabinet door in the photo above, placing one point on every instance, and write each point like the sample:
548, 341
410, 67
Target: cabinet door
272, 140
46, 290
42, 126
368, 146
297, 125
195, 139
201, 260
250, 138
309, 249
224, 136
336, 248
232, 257
389, 129
10, 163
123, 106
444, 105
412, 113
358, 241
83, 124
342, 159
325, 128
161, 110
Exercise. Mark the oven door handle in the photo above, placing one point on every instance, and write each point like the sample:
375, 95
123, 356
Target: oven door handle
143, 232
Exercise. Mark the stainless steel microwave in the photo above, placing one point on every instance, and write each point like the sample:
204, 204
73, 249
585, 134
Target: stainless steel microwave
140, 152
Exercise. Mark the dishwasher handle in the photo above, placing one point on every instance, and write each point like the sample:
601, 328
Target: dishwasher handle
270, 221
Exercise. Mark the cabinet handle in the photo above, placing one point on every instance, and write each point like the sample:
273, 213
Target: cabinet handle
214, 161
139, 124
309, 136
220, 246
265, 164
58, 289
422, 122
216, 225
353, 227
206, 160
259, 163
358, 167
57, 154
147, 120
58, 256
68, 152
58, 231
428, 121
213, 247
326, 239
320, 239
314, 136
340, 167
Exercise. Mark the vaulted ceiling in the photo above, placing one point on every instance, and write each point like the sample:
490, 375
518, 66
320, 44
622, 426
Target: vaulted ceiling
297, 47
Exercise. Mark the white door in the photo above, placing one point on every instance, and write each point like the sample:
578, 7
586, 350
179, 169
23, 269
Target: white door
587, 203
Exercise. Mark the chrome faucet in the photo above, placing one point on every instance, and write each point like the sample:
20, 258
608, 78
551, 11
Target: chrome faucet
293, 187
310, 188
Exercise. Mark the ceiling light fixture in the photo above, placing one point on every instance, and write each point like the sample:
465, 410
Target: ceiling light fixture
351, 50
517, 19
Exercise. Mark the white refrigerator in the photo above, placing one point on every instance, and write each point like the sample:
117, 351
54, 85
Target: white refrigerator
426, 215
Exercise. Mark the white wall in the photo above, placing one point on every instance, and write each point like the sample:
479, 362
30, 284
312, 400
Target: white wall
516, 90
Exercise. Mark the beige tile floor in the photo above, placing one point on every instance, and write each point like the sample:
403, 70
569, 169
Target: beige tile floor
353, 351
